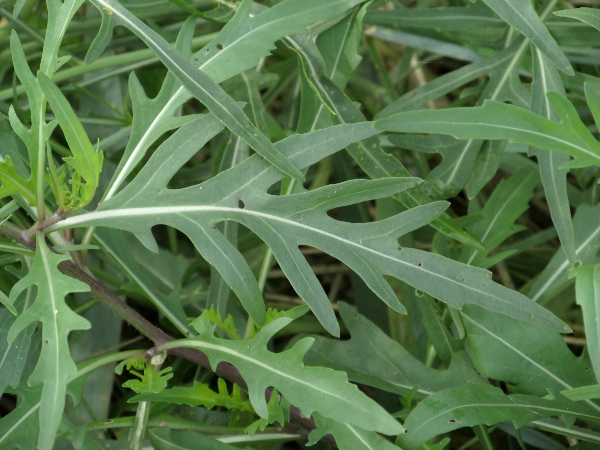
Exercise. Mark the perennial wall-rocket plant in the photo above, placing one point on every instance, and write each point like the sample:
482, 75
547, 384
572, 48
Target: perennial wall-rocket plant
272, 224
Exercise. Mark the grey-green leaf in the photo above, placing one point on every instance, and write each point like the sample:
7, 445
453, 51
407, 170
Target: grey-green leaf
200, 86
521, 15
587, 286
495, 120
470, 405
286, 222
309, 388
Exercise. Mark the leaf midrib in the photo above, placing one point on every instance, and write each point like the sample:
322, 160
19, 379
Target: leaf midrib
79, 221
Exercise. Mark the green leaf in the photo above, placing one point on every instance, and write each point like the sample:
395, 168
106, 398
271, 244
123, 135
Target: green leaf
151, 380
470, 405
554, 179
13, 355
117, 246
309, 388
13, 184
495, 120
198, 84
521, 15
55, 365
227, 325
529, 359
287, 222
185, 440
506, 204
275, 414
367, 153
20, 427
448, 19
587, 286
239, 46
589, 16
38, 132
348, 437
464, 162
554, 277
193, 11
198, 395
86, 161
371, 357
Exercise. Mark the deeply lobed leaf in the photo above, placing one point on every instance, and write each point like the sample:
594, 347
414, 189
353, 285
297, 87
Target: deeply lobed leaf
309, 388
287, 222
55, 364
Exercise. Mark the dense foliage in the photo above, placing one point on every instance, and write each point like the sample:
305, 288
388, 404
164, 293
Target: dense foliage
271, 224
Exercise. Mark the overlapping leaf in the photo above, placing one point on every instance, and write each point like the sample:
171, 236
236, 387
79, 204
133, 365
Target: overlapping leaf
348, 437
86, 161
546, 79
239, 46
199, 395
587, 286
529, 359
199, 84
287, 222
367, 153
470, 405
554, 277
524, 18
19, 428
495, 120
506, 204
309, 388
186, 440
55, 364
371, 357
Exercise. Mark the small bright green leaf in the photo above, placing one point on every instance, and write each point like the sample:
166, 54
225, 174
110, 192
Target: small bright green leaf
55, 364
470, 405
495, 120
86, 160
273, 314
238, 47
198, 395
227, 325
151, 380
521, 15
587, 286
309, 388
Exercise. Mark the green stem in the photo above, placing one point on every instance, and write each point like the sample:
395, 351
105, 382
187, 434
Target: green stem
139, 426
